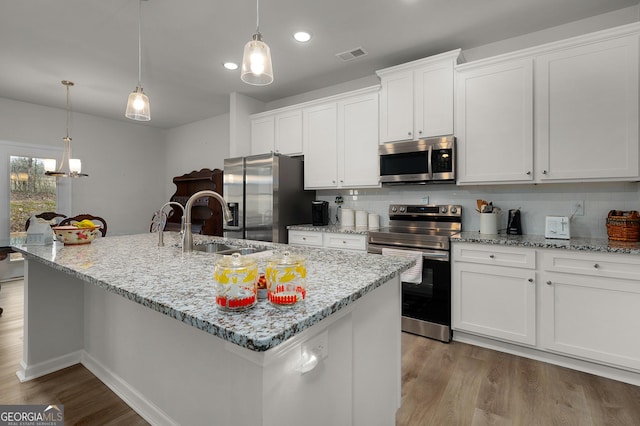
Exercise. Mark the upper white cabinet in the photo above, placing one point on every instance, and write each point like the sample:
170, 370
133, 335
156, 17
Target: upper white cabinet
584, 125
587, 104
494, 125
341, 142
277, 131
416, 98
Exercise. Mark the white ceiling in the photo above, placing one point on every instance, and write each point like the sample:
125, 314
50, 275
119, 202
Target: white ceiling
94, 43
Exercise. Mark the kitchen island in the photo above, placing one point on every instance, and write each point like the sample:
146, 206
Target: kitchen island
142, 318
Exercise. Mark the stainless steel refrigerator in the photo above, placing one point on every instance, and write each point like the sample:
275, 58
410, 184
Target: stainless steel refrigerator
265, 194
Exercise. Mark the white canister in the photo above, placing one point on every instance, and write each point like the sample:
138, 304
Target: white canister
489, 223
348, 217
361, 219
374, 221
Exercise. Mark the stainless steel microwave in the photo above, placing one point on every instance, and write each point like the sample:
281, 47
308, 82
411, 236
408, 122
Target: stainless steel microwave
422, 161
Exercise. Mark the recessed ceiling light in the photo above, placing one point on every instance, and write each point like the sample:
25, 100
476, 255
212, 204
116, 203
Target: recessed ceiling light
302, 36
230, 65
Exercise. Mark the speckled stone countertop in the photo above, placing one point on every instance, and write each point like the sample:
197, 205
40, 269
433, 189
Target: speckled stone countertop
602, 245
181, 285
330, 228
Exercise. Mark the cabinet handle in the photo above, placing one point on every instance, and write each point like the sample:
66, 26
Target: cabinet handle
333, 181
530, 280
409, 133
491, 256
419, 132
549, 283
596, 266
544, 172
304, 238
529, 173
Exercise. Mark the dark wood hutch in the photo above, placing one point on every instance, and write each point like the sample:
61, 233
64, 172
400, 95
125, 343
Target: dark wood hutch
206, 215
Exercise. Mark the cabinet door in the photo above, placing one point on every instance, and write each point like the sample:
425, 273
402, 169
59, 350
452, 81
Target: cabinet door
358, 142
587, 111
494, 301
319, 126
288, 132
396, 107
494, 122
433, 115
262, 135
592, 318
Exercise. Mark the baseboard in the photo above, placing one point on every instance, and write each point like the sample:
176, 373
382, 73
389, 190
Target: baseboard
145, 408
549, 357
31, 372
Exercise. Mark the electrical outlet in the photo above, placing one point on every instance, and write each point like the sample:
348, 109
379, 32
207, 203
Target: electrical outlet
577, 208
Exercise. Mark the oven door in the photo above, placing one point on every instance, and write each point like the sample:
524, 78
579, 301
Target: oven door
426, 307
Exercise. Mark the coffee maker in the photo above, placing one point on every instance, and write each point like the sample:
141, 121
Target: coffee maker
320, 213
514, 224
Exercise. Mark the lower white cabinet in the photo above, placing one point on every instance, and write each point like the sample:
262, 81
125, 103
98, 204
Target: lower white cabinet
591, 306
339, 240
581, 306
592, 318
494, 301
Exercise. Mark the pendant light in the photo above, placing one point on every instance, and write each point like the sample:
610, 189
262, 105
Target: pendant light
257, 69
69, 167
138, 103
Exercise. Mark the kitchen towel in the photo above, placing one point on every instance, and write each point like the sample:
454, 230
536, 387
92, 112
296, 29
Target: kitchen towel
412, 275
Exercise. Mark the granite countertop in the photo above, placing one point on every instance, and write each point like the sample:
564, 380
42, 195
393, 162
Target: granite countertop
181, 285
601, 245
330, 228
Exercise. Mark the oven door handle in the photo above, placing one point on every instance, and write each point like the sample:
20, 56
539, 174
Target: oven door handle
432, 255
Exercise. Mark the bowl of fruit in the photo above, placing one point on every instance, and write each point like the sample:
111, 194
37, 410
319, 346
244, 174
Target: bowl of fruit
82, 232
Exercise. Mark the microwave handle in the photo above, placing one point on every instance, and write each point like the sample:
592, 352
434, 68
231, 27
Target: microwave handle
429, 160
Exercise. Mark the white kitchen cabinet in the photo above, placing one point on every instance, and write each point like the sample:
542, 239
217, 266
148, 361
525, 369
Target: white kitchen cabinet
279, 132
341, 142
494, 301
494, 122
262, 135
339, 240
416, 98
591, 318
584, 126
320, 139
358, 142
587, 110
591, 306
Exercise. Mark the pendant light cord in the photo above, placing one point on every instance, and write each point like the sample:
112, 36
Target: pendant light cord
139, 43
258, 16
68, 112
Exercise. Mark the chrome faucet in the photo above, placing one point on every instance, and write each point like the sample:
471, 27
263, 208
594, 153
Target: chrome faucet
160, 231
187, 240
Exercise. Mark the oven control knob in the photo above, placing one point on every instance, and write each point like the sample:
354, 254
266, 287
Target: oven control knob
402, 209
394, 209
443, 209
454, 210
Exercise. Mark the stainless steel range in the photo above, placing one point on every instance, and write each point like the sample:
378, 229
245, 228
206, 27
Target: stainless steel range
426, 301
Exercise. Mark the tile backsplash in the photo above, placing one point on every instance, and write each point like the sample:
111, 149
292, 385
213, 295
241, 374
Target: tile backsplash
535, 202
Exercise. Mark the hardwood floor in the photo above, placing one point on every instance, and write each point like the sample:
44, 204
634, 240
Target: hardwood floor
460, 384
454, 384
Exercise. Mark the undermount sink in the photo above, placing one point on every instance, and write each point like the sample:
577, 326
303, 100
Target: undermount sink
220, 248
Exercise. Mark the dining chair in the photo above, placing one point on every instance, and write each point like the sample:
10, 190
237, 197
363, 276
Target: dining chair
81, 217
48, 216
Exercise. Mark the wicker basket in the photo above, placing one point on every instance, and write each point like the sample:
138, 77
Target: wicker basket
623, 226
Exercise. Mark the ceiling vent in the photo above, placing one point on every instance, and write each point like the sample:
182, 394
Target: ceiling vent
351, 54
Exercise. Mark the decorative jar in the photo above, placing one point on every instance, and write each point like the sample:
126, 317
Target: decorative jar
286, 279
235, 279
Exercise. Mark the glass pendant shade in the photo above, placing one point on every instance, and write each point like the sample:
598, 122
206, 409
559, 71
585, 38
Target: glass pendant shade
138, 106
257, 69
